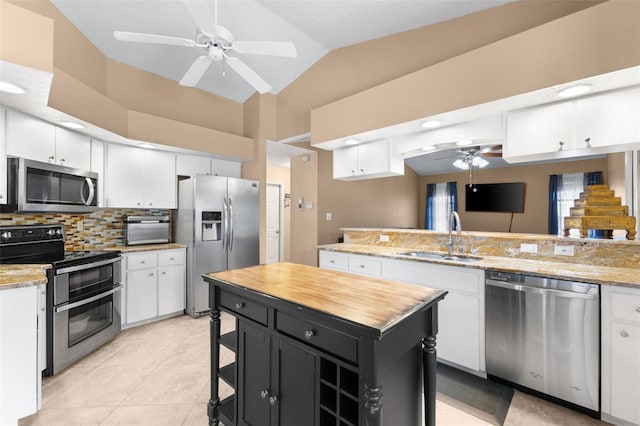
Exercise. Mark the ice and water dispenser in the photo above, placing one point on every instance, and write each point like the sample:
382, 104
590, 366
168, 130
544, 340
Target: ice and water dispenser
211, 226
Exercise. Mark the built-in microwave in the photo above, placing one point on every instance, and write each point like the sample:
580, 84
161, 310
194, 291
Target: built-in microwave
34, 186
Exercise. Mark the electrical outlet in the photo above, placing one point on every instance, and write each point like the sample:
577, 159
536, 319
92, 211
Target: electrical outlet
563, 250
384, 238
529, 248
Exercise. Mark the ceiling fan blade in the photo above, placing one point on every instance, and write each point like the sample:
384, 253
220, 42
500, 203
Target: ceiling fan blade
248, 74
273, 48
201, 15
153, 38
196, 71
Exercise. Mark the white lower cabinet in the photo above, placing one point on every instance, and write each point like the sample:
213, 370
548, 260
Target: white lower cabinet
620, 355
460, 339
20, 374
154, 285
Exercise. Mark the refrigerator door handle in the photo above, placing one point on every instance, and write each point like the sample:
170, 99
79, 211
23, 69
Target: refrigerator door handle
230, 245
224, 223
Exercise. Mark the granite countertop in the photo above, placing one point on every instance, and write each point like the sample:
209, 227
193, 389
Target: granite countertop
145, 247
373, 302
14, 276
626, 277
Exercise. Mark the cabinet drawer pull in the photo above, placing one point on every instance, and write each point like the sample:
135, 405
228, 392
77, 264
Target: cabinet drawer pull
239, 305
264, 394
624, 333
309, 334
151, 274
332, 261
361, 266
143, 262
273, 400
638, 309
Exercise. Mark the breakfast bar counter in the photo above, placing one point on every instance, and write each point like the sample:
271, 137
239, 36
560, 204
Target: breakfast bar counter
315, 346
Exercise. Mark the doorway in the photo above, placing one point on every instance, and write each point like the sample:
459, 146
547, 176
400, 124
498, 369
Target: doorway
274, 222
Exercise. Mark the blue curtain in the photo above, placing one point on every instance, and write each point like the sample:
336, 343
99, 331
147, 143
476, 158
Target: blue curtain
429, 219
553, 204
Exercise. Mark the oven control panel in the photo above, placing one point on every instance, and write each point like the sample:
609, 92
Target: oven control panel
31, 234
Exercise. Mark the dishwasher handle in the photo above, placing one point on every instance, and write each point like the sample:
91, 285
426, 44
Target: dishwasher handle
542, 291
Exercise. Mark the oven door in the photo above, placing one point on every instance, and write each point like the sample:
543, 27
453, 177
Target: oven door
81, 327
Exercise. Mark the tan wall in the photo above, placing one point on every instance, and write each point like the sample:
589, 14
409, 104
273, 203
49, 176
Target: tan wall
282, 175
304, 223
594, 41
352, 69
536, 204
381, 203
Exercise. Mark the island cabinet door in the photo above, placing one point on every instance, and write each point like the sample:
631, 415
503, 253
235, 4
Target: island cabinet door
254, 362
294, 385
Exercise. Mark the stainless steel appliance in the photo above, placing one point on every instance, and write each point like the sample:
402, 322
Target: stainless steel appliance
146, 229
218, 220
543, 335
83, 290
33, 186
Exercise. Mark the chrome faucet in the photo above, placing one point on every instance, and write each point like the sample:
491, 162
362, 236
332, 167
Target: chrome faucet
449, 243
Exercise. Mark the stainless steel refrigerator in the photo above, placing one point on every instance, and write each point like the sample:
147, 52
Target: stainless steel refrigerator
218, 220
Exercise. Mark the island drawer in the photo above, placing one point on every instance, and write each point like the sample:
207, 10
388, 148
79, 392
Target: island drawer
625, 306
366, 265
317, 335
243, 306
331, 260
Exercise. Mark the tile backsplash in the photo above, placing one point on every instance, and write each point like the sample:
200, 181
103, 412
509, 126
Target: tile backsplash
100, 229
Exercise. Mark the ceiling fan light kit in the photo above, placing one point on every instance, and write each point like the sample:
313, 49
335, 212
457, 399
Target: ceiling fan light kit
218, 42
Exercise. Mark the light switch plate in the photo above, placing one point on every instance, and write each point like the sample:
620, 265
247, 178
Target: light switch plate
329, 216
528, 248
563, 250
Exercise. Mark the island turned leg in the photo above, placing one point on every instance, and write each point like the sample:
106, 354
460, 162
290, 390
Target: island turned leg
429, 367
214, 402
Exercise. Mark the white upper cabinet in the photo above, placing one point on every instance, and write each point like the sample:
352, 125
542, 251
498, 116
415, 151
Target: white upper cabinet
3, 161
367, 161
191, 165
226, 168
609, 119
32, 138
543, 129
139, 178
598, 124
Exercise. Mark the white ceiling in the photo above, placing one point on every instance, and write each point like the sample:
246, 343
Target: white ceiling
314, 26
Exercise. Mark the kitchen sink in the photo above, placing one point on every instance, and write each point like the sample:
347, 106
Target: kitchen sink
441, 256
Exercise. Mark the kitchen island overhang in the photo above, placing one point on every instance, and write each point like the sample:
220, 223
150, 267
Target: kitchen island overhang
380, 332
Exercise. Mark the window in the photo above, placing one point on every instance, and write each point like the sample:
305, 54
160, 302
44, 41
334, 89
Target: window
442, 199
564, 189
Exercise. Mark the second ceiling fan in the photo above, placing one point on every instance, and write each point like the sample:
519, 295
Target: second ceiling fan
218, 42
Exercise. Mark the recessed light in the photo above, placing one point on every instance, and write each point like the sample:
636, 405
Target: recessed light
577, 90
7, 87
428, 148
351, 142
71, 125
147, 146
464, 142
431, 124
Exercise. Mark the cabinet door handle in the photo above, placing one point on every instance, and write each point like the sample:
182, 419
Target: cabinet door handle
164, 273
264, 394
151, 274
588, 142
239, 305
624, 333
51, 158
309, 334
561, 143
361, 171
273, 400
62, 160
638, 309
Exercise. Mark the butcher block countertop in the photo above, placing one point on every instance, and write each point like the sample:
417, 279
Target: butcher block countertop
14, 276
372, 302
606, 275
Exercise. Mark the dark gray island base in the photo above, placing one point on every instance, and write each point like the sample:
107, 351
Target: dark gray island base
315, 347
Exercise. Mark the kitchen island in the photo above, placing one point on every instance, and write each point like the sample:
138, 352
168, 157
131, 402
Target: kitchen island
322, 347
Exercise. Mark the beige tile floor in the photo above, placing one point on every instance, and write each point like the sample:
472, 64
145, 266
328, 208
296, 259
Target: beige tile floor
158, 374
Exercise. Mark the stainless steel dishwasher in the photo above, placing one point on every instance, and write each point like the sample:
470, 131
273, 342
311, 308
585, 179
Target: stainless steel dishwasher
544, 334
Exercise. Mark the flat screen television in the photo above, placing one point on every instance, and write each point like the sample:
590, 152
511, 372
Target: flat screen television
495, 197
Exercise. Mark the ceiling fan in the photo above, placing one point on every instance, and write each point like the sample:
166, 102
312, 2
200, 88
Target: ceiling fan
218, 42
472, 157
